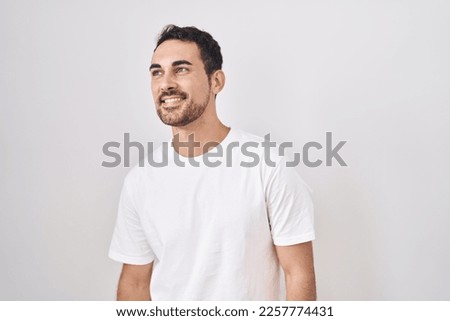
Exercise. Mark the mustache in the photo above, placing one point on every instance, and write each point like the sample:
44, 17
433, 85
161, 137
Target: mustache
172, 92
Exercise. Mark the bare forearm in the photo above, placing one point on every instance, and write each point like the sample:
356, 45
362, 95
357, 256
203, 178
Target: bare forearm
134, 282
132, 292
298, 266
301, 288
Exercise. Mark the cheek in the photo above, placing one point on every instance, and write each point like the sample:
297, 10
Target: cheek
200, 87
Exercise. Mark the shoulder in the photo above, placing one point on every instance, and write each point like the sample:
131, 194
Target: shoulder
269, 151
142, 172
244, 136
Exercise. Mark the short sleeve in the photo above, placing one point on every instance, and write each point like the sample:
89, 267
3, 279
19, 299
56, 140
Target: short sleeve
129, 242
289, 205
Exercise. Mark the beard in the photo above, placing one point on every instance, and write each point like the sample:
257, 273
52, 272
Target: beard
184, 114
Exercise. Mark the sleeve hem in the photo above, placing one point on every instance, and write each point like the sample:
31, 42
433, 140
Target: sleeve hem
294, 240
130, 260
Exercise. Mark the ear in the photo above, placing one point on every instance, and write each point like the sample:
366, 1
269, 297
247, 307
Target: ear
217, 81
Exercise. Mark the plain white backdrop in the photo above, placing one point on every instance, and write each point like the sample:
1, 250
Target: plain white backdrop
74, 75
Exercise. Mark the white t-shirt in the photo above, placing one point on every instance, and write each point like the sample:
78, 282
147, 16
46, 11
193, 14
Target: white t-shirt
210, 231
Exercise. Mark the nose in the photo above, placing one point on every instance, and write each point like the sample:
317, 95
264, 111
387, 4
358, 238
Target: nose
168, 82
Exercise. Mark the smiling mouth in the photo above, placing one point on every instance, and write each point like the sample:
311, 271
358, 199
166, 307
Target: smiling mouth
170, 102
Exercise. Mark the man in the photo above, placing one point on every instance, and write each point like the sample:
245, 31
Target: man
187, 231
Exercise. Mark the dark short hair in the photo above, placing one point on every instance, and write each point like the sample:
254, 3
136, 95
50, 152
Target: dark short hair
209, 48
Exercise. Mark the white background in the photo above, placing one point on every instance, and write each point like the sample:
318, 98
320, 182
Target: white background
74, 75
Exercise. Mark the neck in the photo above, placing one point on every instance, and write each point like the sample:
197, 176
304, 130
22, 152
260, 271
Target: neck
200, 136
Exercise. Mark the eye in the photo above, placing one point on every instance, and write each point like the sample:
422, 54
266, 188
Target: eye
181, 70
156, 73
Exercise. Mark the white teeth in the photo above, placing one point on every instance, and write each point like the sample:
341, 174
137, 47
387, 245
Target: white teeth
172, 100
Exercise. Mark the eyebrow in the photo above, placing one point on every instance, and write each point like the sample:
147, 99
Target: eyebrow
180, 62
175, 63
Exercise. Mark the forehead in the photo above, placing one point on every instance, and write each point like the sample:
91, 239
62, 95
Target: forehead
174, 50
